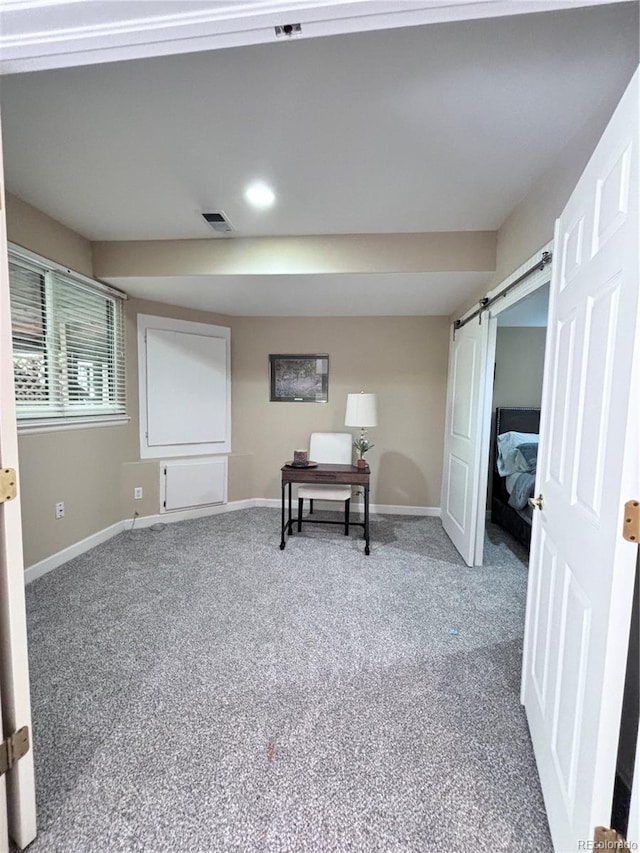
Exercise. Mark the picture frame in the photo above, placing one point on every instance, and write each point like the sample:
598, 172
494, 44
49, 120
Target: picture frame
295, 378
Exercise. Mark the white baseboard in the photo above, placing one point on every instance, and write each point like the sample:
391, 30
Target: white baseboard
37, 570
49, 563
172, 516
393, 509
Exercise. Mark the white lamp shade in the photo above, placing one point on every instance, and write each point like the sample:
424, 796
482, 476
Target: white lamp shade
362, 410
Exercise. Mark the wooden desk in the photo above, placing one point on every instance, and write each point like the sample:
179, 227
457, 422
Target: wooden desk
343, 475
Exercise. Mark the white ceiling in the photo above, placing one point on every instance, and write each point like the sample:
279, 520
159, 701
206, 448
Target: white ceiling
427, 128
432, 128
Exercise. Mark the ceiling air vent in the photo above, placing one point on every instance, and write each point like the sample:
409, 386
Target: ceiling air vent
218, 221
288, 30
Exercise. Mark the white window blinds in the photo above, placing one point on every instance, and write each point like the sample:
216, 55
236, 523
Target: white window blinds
68, 352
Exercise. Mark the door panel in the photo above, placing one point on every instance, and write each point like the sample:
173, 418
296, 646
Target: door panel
581, 570
612, 200
561, 418
575, 621
14, 665
458, 491
544, 607
465, 358
461, 468
595, 396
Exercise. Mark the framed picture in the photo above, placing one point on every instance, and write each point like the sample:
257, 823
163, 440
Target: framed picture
299, 378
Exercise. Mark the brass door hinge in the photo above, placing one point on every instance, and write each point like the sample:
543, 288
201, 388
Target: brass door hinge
8, 489
631, 526
13, 748
609, 839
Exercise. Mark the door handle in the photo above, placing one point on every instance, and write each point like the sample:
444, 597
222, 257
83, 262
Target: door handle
536, 503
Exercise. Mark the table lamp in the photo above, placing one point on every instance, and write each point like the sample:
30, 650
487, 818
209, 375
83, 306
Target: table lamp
361, 412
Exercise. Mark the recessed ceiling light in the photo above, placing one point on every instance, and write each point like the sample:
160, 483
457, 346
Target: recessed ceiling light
260, 195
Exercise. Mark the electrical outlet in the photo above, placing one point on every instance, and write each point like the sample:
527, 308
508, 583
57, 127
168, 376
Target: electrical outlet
137, 493
60, 509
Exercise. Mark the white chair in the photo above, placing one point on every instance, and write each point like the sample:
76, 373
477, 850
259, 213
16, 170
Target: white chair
328, 447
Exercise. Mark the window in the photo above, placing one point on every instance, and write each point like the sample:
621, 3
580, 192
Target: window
68, 354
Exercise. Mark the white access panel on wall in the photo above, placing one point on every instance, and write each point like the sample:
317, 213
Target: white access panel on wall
186, 388
188, 483
185, 397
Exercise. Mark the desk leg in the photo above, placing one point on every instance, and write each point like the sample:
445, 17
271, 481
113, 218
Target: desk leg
366, 520
290, 525
282, 542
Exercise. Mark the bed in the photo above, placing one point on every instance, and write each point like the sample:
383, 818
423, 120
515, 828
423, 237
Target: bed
513, 463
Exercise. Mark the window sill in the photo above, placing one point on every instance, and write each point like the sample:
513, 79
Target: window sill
29, 426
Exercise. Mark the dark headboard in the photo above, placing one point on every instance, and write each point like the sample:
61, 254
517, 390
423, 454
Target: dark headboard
517, 420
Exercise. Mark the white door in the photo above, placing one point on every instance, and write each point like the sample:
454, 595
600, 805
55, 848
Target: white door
581, 569
14, 668
462, 442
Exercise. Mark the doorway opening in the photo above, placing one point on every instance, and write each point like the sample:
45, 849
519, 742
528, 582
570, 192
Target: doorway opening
518, 366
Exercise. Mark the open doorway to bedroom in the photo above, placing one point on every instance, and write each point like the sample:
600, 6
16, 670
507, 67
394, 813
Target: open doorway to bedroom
520, 339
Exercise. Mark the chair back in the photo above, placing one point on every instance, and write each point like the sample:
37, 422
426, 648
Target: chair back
331, 447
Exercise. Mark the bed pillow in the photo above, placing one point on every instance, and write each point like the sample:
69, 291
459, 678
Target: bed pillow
526, 457
508, 443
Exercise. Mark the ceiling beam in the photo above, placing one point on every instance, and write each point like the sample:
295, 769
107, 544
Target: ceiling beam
447, 251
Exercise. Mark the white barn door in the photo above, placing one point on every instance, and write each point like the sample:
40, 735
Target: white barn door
582, 570
20, 805
462, 442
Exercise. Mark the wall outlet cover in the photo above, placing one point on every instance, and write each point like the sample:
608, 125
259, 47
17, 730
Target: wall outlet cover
137, 493
60, 509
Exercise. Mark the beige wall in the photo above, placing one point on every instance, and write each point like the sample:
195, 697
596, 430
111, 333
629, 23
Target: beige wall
136, 472
79, 467
336, 253
34, 230
519, 366
402, 359
530, 224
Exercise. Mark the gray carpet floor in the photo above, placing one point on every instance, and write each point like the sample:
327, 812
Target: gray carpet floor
197, 689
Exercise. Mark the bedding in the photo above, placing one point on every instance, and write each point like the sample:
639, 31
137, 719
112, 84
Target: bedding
526, 457
510, 481
523, 489
514, 450
520, 459
509, 444
523, 483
